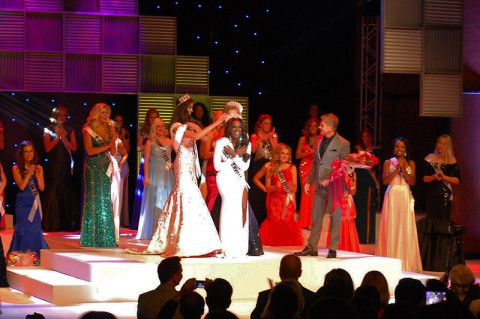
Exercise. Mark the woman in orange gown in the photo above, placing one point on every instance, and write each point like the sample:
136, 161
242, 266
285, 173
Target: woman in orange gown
280, 227
305, 154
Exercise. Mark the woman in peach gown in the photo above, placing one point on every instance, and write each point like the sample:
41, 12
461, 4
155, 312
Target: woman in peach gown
305, 155
397, 237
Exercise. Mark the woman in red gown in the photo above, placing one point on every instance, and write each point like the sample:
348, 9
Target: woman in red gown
305, 154
280, 227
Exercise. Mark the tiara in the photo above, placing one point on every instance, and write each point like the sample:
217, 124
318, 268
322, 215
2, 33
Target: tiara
237, 105
183, 98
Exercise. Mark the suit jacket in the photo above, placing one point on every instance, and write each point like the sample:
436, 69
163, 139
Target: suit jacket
308, 297
339, 148
151, 302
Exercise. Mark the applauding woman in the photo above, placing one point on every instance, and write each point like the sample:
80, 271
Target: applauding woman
231, 159
99, 136
59, 142
28, 177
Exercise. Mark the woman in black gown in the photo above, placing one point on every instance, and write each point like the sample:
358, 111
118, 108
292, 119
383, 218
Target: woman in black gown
441, 172
59, 208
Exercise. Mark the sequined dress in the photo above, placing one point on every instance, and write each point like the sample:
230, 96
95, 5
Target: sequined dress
156, 193
397, 237
185, 227
98, 228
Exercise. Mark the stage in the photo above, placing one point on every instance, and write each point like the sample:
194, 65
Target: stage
72, 280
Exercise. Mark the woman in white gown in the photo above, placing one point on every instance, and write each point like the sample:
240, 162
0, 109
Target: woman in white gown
231, 159
185, 227
397, 236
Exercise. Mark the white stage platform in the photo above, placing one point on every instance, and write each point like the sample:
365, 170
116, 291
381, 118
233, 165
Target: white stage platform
72, 275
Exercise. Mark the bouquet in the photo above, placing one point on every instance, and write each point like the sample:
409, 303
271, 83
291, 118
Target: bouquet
22, 259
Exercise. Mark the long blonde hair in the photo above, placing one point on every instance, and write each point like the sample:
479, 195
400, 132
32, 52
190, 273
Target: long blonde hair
92, 119
447, 155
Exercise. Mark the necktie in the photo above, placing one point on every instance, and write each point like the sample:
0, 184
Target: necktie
323, 146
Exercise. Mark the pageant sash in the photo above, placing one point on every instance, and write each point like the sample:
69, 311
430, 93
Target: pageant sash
36, 202
287, 189
107, 151
165, 156
53, 134
438, 171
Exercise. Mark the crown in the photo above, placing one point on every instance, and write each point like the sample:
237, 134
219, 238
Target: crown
183, 98
237, 105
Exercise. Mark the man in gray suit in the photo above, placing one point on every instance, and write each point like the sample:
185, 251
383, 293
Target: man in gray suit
329, 146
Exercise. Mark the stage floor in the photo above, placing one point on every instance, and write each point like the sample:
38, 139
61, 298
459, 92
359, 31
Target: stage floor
73, 280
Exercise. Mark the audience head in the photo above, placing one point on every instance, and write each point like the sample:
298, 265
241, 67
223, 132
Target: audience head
290, 267
461, 279
192, 305
35, 315
314, 110
400, 310
285, 301
343, 280
170, 271
369, 295
98, 315
219, 294
332, 308
376, 279
330, 120
410, 291
445, 310
58, 115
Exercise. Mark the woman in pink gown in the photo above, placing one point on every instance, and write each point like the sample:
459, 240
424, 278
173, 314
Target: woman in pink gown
397, 237
280, 227
305, 154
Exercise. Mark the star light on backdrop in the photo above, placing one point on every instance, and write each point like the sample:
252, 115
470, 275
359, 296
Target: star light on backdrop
233, 34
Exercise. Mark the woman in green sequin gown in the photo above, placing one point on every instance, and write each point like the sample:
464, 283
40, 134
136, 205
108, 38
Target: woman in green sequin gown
98, 228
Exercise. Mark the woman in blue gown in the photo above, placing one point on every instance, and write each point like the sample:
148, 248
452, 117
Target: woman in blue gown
158, 178
99, 136
28, 176
151, 115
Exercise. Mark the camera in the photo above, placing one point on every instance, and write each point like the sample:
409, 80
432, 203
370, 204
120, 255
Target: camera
433, 297
200, 284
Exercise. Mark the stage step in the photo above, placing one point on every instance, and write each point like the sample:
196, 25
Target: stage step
50, 285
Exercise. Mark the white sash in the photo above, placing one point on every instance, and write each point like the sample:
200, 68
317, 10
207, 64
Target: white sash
36, 202
289, 198
102, 143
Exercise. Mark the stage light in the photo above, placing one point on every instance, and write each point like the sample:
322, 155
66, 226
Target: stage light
237, 52
227, 72
254, 34
27, 100
198, 37
200, 6
113, 104
259, 92
216, 42
239, 84
247, 17
13, 120
53, 101
13, 93
262, 62
220, 7
235, 25
84, 103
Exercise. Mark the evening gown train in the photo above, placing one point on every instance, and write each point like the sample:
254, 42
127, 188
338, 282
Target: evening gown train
397, 237
280, 227
28, 234
434, 231
98, 228
156, 193
60, 211
185, 227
